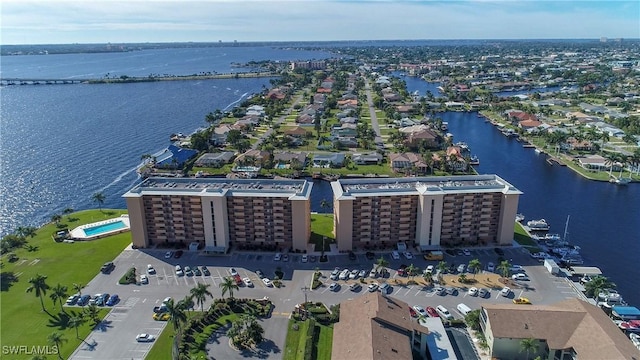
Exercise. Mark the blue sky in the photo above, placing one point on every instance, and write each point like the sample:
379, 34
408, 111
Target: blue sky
101, 21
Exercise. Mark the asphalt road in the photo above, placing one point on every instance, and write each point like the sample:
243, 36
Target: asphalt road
115, 339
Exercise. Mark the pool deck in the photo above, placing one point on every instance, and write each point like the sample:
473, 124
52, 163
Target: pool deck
78, 233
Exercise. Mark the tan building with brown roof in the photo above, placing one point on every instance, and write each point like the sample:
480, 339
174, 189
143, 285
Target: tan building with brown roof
571, 329
373, 326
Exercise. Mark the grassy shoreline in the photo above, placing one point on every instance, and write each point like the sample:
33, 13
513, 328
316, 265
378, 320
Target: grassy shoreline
23, 322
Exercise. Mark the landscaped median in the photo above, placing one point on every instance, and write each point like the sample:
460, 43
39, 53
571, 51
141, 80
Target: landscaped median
23, 321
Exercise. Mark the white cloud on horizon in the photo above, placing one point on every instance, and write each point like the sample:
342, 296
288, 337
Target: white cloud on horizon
157, 21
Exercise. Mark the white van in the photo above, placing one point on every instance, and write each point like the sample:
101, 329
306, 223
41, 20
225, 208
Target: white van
443, 312
464, 309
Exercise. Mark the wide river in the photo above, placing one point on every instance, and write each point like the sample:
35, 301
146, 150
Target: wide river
62, 143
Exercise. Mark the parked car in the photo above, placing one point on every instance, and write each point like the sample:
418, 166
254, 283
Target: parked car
113, 299
420, 310
344, 275
168, 254
267, 282
334, 287
188, 271
432, 311
277, 257
107, 267
161, 316
373, 287
355, 286
285, 257
354, 274
102, 299
384, 288
491, 267
197, 271
412, 312
373, 274
352, 255
466, 252
370, 255
473, 291
233, 271
461, 268
73, 299
247, 282
440, 291
408, 255
451, 291
483, 293
395, 255
362, 273
335, 273
312, 258
516, 269
144, 279
260, 273
520, 277
206, 271
304, 258
84, 300
145, 338
179, 271
521, 300
506, 291
178, 254
150, 269
429, 269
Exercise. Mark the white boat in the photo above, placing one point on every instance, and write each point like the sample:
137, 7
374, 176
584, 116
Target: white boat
474, 160
538, 225
538, 151
635, 339
519, 217
623, 181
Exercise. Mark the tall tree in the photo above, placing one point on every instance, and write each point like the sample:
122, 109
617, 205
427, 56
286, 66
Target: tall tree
504, 268
475, 265
597, 284
78, 287
76, 321
200, 293
412, 270
529, 345
98, 198
93, 313
228, 285
56, 339
55, 218
442, 268
39, 287
59, 294
178, 316
381, 263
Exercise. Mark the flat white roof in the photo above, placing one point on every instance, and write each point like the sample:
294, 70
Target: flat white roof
438, 344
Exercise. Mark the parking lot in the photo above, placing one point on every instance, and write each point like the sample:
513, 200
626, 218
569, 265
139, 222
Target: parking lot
133, 314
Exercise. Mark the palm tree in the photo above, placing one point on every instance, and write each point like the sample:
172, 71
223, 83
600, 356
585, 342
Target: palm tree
324, 204
67, 211
93, 313
228, 285
412, 270
200, 293
26, 231
56, 218
177, 314
529, 345
98, 198
39, 286
186, 303
78, 287
597, 284
381, 263
504, 268
442, 268
56, 339
76, 321
58, 294
475, 265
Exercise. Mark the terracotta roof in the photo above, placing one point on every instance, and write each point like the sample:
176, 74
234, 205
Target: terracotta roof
530, 123
296, 131
568, 324
373, 326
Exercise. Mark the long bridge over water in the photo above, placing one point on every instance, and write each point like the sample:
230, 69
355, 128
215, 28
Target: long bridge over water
127, 79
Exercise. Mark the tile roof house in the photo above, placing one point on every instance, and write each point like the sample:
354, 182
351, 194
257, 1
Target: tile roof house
401, 162
529, 124
296, 132
254, 157
286, 157
373, 326
570, 329
219, 135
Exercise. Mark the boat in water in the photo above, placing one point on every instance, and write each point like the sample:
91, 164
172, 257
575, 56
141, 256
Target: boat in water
519, 217
538, 225
474, 160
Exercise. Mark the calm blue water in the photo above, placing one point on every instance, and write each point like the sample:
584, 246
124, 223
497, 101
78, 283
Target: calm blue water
419, 85
603, 220
104, 228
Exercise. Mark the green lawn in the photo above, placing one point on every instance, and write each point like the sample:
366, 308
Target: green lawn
295, 343
161, 349
322, 226
325, 342
23, 322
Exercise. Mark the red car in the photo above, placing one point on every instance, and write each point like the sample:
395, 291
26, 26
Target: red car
432, 312
412, 312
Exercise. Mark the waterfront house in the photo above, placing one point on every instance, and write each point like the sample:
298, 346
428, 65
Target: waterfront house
255, 110
215, 159
372, 158
593, 162
403, 162
332, 160
288, 159
174, 157
219, 135
529, 124
570, 329
420, 136
455, 159
253, 157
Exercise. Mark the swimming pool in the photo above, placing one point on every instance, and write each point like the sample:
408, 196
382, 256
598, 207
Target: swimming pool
104, 228
101, 228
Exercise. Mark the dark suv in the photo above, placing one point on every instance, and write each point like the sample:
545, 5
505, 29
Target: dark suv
107, 267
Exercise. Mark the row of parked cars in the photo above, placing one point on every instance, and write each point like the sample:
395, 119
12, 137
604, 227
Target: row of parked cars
98, 299
346, 274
